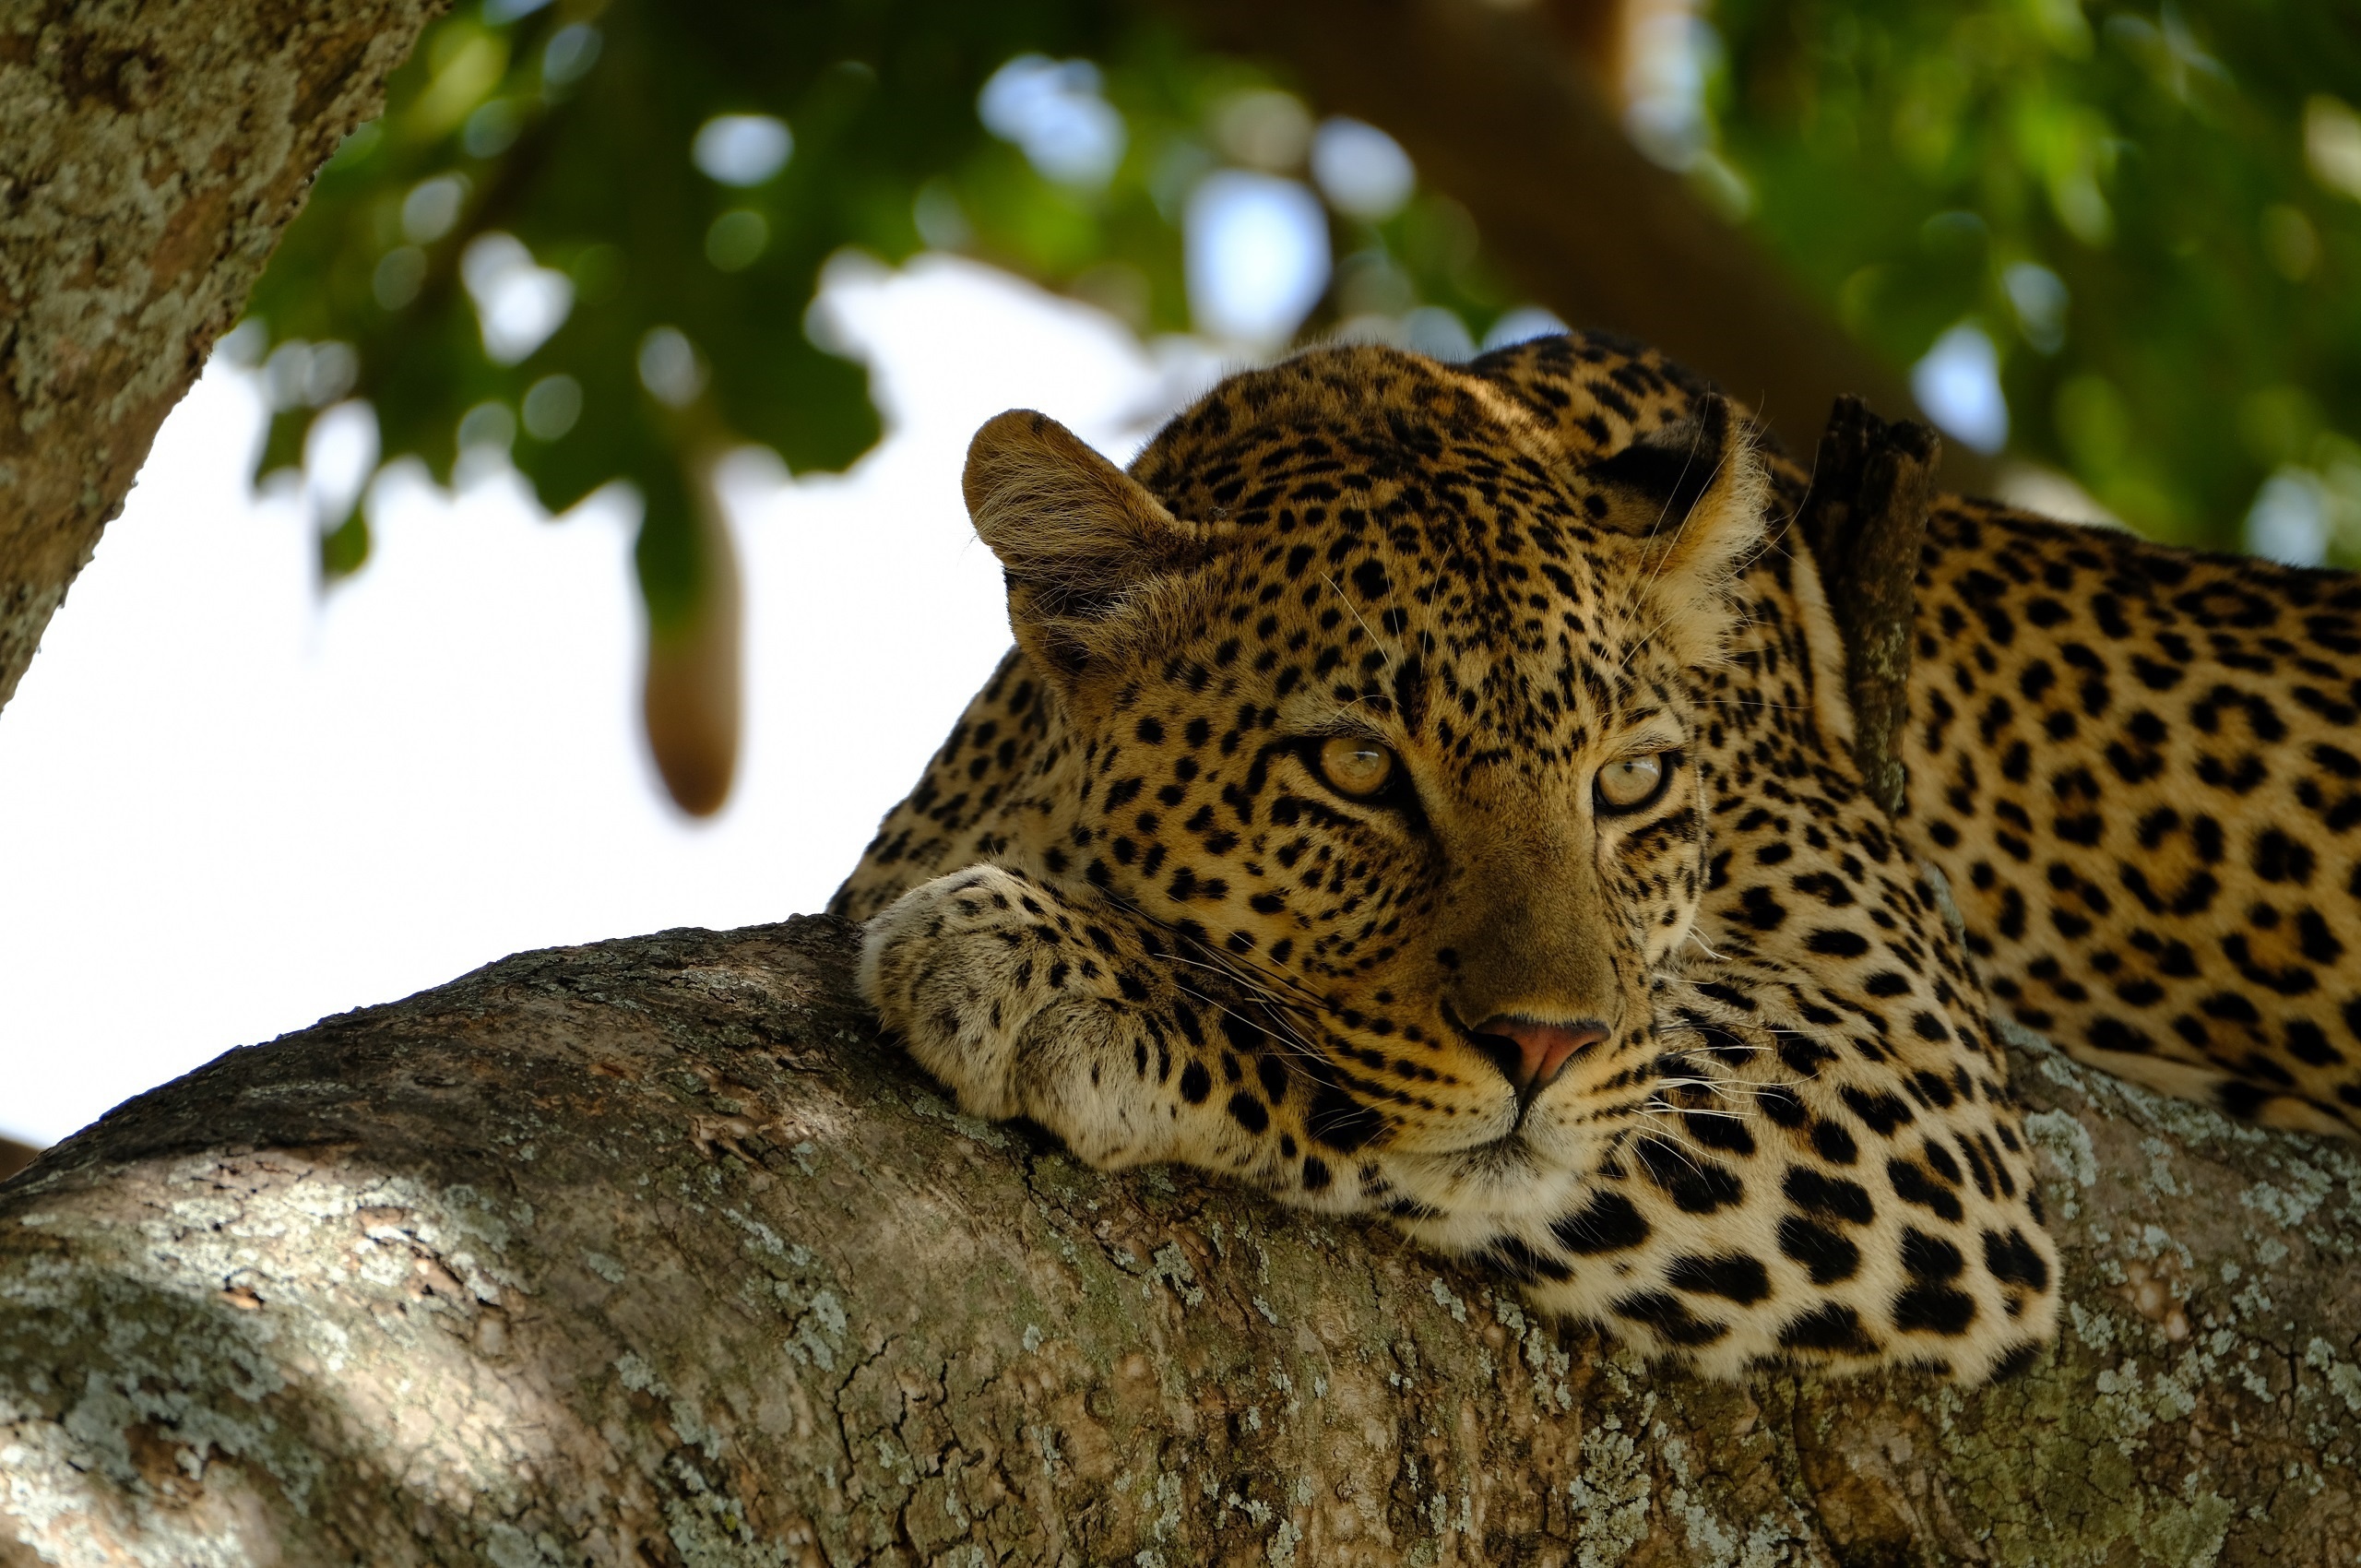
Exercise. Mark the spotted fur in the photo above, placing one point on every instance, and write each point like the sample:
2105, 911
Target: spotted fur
2139, 768
1125, 902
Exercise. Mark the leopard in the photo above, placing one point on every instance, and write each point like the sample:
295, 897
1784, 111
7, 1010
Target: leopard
2138, 769
1426, 791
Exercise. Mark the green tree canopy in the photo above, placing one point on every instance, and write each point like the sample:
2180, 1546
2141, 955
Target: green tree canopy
2153, 211
669, 185
592, 232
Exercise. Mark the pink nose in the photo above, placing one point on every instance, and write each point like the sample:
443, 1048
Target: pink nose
1530, 1054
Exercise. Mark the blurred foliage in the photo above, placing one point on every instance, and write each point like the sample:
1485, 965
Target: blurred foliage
2154, 211
545, 161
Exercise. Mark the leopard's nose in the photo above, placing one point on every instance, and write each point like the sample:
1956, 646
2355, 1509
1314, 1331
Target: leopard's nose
1530, 1054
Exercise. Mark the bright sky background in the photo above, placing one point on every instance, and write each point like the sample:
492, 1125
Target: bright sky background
230, 806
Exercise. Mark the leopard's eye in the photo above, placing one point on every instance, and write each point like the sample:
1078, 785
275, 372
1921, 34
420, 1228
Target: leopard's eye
1360, 768
1630, 782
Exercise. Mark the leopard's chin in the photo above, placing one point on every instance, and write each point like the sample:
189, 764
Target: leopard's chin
1535, 1165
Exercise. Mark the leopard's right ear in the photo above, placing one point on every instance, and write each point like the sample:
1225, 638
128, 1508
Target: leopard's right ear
1079, 538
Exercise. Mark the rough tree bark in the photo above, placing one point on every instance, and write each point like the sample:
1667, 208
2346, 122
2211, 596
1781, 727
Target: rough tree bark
647, 1252
1865, 521
150, 156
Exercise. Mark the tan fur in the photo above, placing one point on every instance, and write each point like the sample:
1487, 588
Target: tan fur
2141, 769
1693, 563
1081, 541
1827, 648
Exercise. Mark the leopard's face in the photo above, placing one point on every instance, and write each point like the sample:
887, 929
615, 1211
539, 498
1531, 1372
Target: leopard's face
1341, 822
1401, 737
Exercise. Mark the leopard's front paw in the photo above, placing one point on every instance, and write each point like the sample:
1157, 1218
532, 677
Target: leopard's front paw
949, 967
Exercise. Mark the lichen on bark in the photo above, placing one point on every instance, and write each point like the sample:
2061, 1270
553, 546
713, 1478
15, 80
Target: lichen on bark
650, 1252
150, 156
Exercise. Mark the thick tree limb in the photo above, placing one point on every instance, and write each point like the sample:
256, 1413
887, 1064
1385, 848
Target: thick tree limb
1865, 520
150, 156
646, 1252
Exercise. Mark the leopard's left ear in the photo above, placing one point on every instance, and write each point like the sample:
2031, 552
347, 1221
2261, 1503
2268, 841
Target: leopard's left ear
1079, 538
1694, 493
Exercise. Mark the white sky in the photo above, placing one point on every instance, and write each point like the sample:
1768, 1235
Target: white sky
230, 806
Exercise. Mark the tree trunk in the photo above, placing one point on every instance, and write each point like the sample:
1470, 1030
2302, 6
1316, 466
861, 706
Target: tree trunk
150, 156
648, 1253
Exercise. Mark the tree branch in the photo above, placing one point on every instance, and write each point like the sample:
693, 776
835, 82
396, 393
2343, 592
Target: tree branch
1865, 520
150, 156
646, 1253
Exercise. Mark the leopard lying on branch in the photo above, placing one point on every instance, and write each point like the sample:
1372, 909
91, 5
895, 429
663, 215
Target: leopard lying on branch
1430, 791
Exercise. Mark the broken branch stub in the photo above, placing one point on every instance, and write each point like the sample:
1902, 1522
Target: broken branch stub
1865, 521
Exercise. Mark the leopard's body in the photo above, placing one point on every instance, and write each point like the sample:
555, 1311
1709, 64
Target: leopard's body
2139, 768
1127, 902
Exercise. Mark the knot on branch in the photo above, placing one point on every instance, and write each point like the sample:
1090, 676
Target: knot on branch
1865, 520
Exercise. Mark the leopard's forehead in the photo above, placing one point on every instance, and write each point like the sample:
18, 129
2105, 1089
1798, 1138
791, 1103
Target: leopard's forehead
1418, 539
1376, 418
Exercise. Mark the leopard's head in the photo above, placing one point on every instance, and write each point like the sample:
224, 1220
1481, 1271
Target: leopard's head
1378, 692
